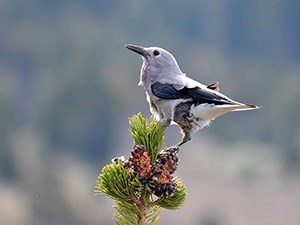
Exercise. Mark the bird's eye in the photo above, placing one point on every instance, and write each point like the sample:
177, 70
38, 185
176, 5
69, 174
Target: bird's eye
156, 53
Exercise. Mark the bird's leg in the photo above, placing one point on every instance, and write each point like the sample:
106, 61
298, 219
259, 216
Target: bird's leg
165, 122
185, 138
182, 118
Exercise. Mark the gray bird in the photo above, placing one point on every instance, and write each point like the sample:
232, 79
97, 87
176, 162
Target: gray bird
174, 97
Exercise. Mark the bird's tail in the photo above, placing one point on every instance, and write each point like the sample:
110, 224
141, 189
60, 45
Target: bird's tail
243, 107
211, 111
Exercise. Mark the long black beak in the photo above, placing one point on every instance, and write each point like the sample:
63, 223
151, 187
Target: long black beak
138, 49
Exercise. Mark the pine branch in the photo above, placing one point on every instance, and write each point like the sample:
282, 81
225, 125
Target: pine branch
143, 184
149, 133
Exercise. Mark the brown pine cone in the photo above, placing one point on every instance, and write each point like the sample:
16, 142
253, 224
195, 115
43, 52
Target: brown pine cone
141, 161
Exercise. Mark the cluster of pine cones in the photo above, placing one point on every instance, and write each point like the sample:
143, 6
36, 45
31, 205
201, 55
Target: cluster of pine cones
157, 175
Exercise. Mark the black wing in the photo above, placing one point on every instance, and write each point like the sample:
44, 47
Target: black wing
165, 91
198, 95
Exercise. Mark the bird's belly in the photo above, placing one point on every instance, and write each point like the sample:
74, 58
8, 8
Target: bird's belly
186, 120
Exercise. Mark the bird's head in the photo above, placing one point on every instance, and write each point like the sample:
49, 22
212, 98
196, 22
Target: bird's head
156, 60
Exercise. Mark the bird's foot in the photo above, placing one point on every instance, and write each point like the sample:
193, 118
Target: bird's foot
186, 138
174, 148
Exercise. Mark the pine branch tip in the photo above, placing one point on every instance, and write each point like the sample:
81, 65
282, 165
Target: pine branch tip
144, 184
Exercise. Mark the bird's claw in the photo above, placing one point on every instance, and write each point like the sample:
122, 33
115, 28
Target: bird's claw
175, 148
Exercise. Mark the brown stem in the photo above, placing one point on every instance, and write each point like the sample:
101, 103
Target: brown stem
143, 207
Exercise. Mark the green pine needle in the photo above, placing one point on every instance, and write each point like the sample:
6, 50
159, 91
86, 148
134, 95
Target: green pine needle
127, 214
116, 182
148, 133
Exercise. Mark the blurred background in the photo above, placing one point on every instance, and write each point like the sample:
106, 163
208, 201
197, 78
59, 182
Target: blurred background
68, 86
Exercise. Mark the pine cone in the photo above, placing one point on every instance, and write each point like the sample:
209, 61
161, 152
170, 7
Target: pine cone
169, 160
162, 181
164, 189
160, 174
157, 175
141, 161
